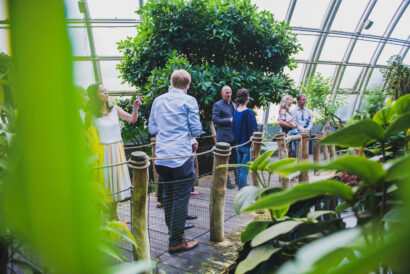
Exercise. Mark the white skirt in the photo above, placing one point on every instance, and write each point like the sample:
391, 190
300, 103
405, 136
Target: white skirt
117, 178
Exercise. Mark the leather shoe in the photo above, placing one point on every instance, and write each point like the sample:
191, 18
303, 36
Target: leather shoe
188, 225
183, 247
230, 186
191, 217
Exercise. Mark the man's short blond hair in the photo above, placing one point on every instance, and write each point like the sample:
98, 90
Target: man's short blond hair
180, 78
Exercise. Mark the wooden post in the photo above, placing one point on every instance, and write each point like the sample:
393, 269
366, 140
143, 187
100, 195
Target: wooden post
283, 154
299, 150
255, 152
316, 147
139, 164
326, 132
304, 176
154, 171
213, 131
217, 199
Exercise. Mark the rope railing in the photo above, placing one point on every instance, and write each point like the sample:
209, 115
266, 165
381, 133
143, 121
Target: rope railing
141, 146
175, 157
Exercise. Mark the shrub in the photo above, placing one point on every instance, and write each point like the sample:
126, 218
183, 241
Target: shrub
218, 42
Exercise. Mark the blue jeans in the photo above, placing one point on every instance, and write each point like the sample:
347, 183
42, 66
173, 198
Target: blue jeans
176, 197
244, 155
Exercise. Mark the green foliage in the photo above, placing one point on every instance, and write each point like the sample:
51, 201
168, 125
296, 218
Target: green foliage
255, 257
396, 77
137, 132
302, 192
373, 101
219, 42
47, 197
318, 92
370, 201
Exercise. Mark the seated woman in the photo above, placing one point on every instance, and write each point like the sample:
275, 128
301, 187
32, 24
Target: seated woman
105, 118
285, 119
244, 124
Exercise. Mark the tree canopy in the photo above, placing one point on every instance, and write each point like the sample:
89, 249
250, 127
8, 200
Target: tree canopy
219, 42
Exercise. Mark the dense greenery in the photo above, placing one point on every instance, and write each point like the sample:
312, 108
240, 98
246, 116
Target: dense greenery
219, 42
47, 198
397, 77
319, 97
373, 190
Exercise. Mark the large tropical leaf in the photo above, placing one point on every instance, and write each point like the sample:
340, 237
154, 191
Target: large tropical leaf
310, 254
49, 199
302, 192
398, 168
402, 123
402, 105
356, 135
316, 214
253, 229
367, 170
272, 167
383, 116
274, 231
255, 257
246, 197
258, 163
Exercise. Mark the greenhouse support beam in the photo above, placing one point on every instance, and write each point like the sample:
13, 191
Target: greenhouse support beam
289, 13
369, 70
330, 14
87, 19
342, 67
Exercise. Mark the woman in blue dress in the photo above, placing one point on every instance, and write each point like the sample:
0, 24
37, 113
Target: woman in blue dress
244, 124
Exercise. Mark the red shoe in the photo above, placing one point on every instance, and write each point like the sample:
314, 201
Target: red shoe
183, 247
194, 193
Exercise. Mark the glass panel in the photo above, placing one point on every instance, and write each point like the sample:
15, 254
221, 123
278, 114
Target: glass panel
113, 9
72, 10
388, 51
381, 15
83, 73
309, 14
105, 39
401, 30
376, 79
109, 74
79, 41
3, 13
307, 42
327, 71
345, 111
334, 49
363, 52
349, 14
4, 41
350, 77
295, 73
279, 8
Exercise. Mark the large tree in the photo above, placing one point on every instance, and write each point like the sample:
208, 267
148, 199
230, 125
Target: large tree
219, 42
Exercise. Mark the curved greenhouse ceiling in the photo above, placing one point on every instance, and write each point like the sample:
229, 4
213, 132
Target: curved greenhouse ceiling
348, 40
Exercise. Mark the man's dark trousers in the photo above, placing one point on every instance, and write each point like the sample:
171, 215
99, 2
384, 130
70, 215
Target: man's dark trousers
176, 197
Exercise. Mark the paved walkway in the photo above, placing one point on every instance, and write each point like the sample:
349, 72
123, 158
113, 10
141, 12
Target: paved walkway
208, 257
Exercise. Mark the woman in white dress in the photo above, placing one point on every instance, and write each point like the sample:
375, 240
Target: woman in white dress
105, 118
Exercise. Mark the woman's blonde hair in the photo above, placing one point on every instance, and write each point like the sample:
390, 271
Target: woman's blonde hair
284, 102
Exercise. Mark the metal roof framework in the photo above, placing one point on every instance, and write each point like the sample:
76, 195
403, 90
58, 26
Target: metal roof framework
94, 63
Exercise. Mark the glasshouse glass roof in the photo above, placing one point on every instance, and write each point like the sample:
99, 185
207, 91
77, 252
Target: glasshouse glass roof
347, 40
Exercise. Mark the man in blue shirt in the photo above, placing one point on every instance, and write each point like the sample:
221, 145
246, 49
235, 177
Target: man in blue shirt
174, 119
222, 116
302, 116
